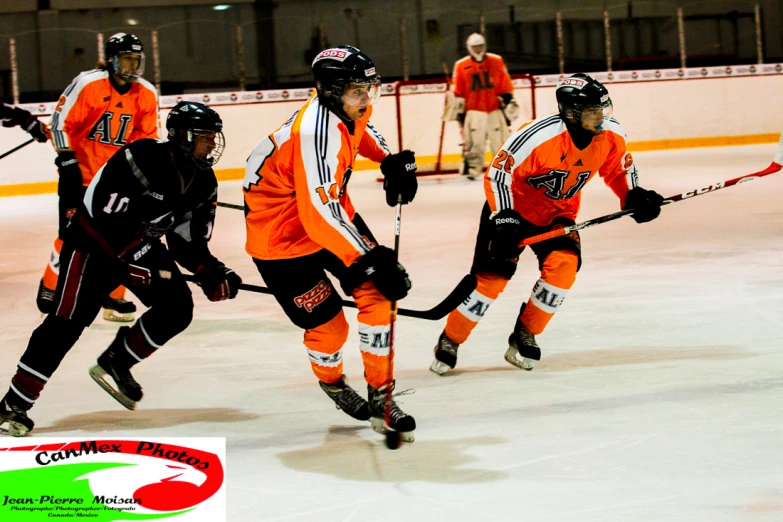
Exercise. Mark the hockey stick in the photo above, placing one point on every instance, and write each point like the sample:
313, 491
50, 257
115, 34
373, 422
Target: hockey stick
772, 169
393, 438
25, 144
439, 311
230, 205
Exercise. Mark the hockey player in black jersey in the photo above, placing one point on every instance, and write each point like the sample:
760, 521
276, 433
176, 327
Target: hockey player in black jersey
147, 190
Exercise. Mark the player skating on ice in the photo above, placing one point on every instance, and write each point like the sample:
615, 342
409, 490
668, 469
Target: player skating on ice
482, 100
12, 116
148, 190
100, 111
301, 223
533, 185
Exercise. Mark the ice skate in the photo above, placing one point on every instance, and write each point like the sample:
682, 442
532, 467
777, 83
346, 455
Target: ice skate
445, 355
119, 310
399, 420
115, 362
44, 299
345, 398
14, 420
523, 351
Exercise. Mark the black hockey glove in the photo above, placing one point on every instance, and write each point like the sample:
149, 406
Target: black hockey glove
399, 177
646, 202
28, 122
506, 234
69, 187
218, 282
380, 266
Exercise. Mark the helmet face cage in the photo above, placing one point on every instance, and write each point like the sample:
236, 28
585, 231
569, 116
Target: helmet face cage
187, 121
208, 160
127, 74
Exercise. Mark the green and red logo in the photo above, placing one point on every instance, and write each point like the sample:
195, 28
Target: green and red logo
112, 480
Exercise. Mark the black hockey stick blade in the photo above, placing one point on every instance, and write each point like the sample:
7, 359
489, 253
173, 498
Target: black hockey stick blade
25, 144
439, 311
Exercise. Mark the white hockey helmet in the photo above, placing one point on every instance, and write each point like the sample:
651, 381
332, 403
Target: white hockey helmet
477, 46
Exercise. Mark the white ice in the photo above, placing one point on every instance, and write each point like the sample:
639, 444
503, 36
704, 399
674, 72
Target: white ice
658, 397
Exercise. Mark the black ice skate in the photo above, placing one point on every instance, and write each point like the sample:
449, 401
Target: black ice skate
14, 420
445, 355
119, 310
346, 399
523, 351
44, 299
116, 362
399, 420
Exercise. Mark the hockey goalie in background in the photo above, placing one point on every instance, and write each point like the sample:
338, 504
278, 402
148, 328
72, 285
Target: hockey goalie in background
482, 101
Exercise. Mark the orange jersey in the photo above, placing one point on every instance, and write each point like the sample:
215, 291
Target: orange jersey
294, 186
481, 83
94, 120
539, 172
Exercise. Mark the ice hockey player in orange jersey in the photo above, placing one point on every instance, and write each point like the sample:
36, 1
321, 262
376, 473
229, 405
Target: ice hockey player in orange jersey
100, 111
301, 223
533, 185
482, 84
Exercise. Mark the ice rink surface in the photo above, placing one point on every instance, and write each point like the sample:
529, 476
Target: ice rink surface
658, 397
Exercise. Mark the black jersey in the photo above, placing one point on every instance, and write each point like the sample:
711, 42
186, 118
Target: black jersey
147, 191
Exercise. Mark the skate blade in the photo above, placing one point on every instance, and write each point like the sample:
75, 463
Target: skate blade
13, 429
439, 367
97, 373
116, 317
512, 358
379, 426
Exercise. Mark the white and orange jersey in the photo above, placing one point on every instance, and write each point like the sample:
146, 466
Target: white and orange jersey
539, 172
294, 185
94, 120
481, 83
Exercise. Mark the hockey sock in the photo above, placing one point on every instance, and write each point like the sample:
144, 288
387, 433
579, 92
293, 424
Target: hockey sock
325, 348
467, 315
138, 342
52, 270
27, 385
558, 274
118, 293
374, 331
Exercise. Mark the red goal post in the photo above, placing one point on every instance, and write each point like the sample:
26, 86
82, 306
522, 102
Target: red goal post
438, 145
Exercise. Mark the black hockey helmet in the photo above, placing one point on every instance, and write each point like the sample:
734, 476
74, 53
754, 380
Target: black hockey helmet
120, 44
337, 67
190, 119
579, 92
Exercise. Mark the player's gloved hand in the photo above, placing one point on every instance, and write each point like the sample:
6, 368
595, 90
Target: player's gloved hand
646, 202
380, 266
69, 187
399, 177
506, 234
28, 122
139, 275
218, 282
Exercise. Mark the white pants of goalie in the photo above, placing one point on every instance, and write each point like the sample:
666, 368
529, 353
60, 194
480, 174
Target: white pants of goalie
480, 127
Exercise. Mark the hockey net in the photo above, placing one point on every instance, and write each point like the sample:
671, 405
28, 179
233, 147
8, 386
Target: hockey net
438, 145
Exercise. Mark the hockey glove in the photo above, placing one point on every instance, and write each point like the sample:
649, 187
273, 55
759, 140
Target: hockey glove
218, 282
506, 234
646, 202
28, 122
69, 187
380, 266
399, 177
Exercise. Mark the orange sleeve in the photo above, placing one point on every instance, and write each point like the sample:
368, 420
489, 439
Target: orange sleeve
373, 145
458, 80
71, 110
502, 78
618, 171
319, 166
146, 121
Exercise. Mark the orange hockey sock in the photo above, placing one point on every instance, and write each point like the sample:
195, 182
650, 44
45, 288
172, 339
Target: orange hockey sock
325, 348
52, 270
462, 320
558, 274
